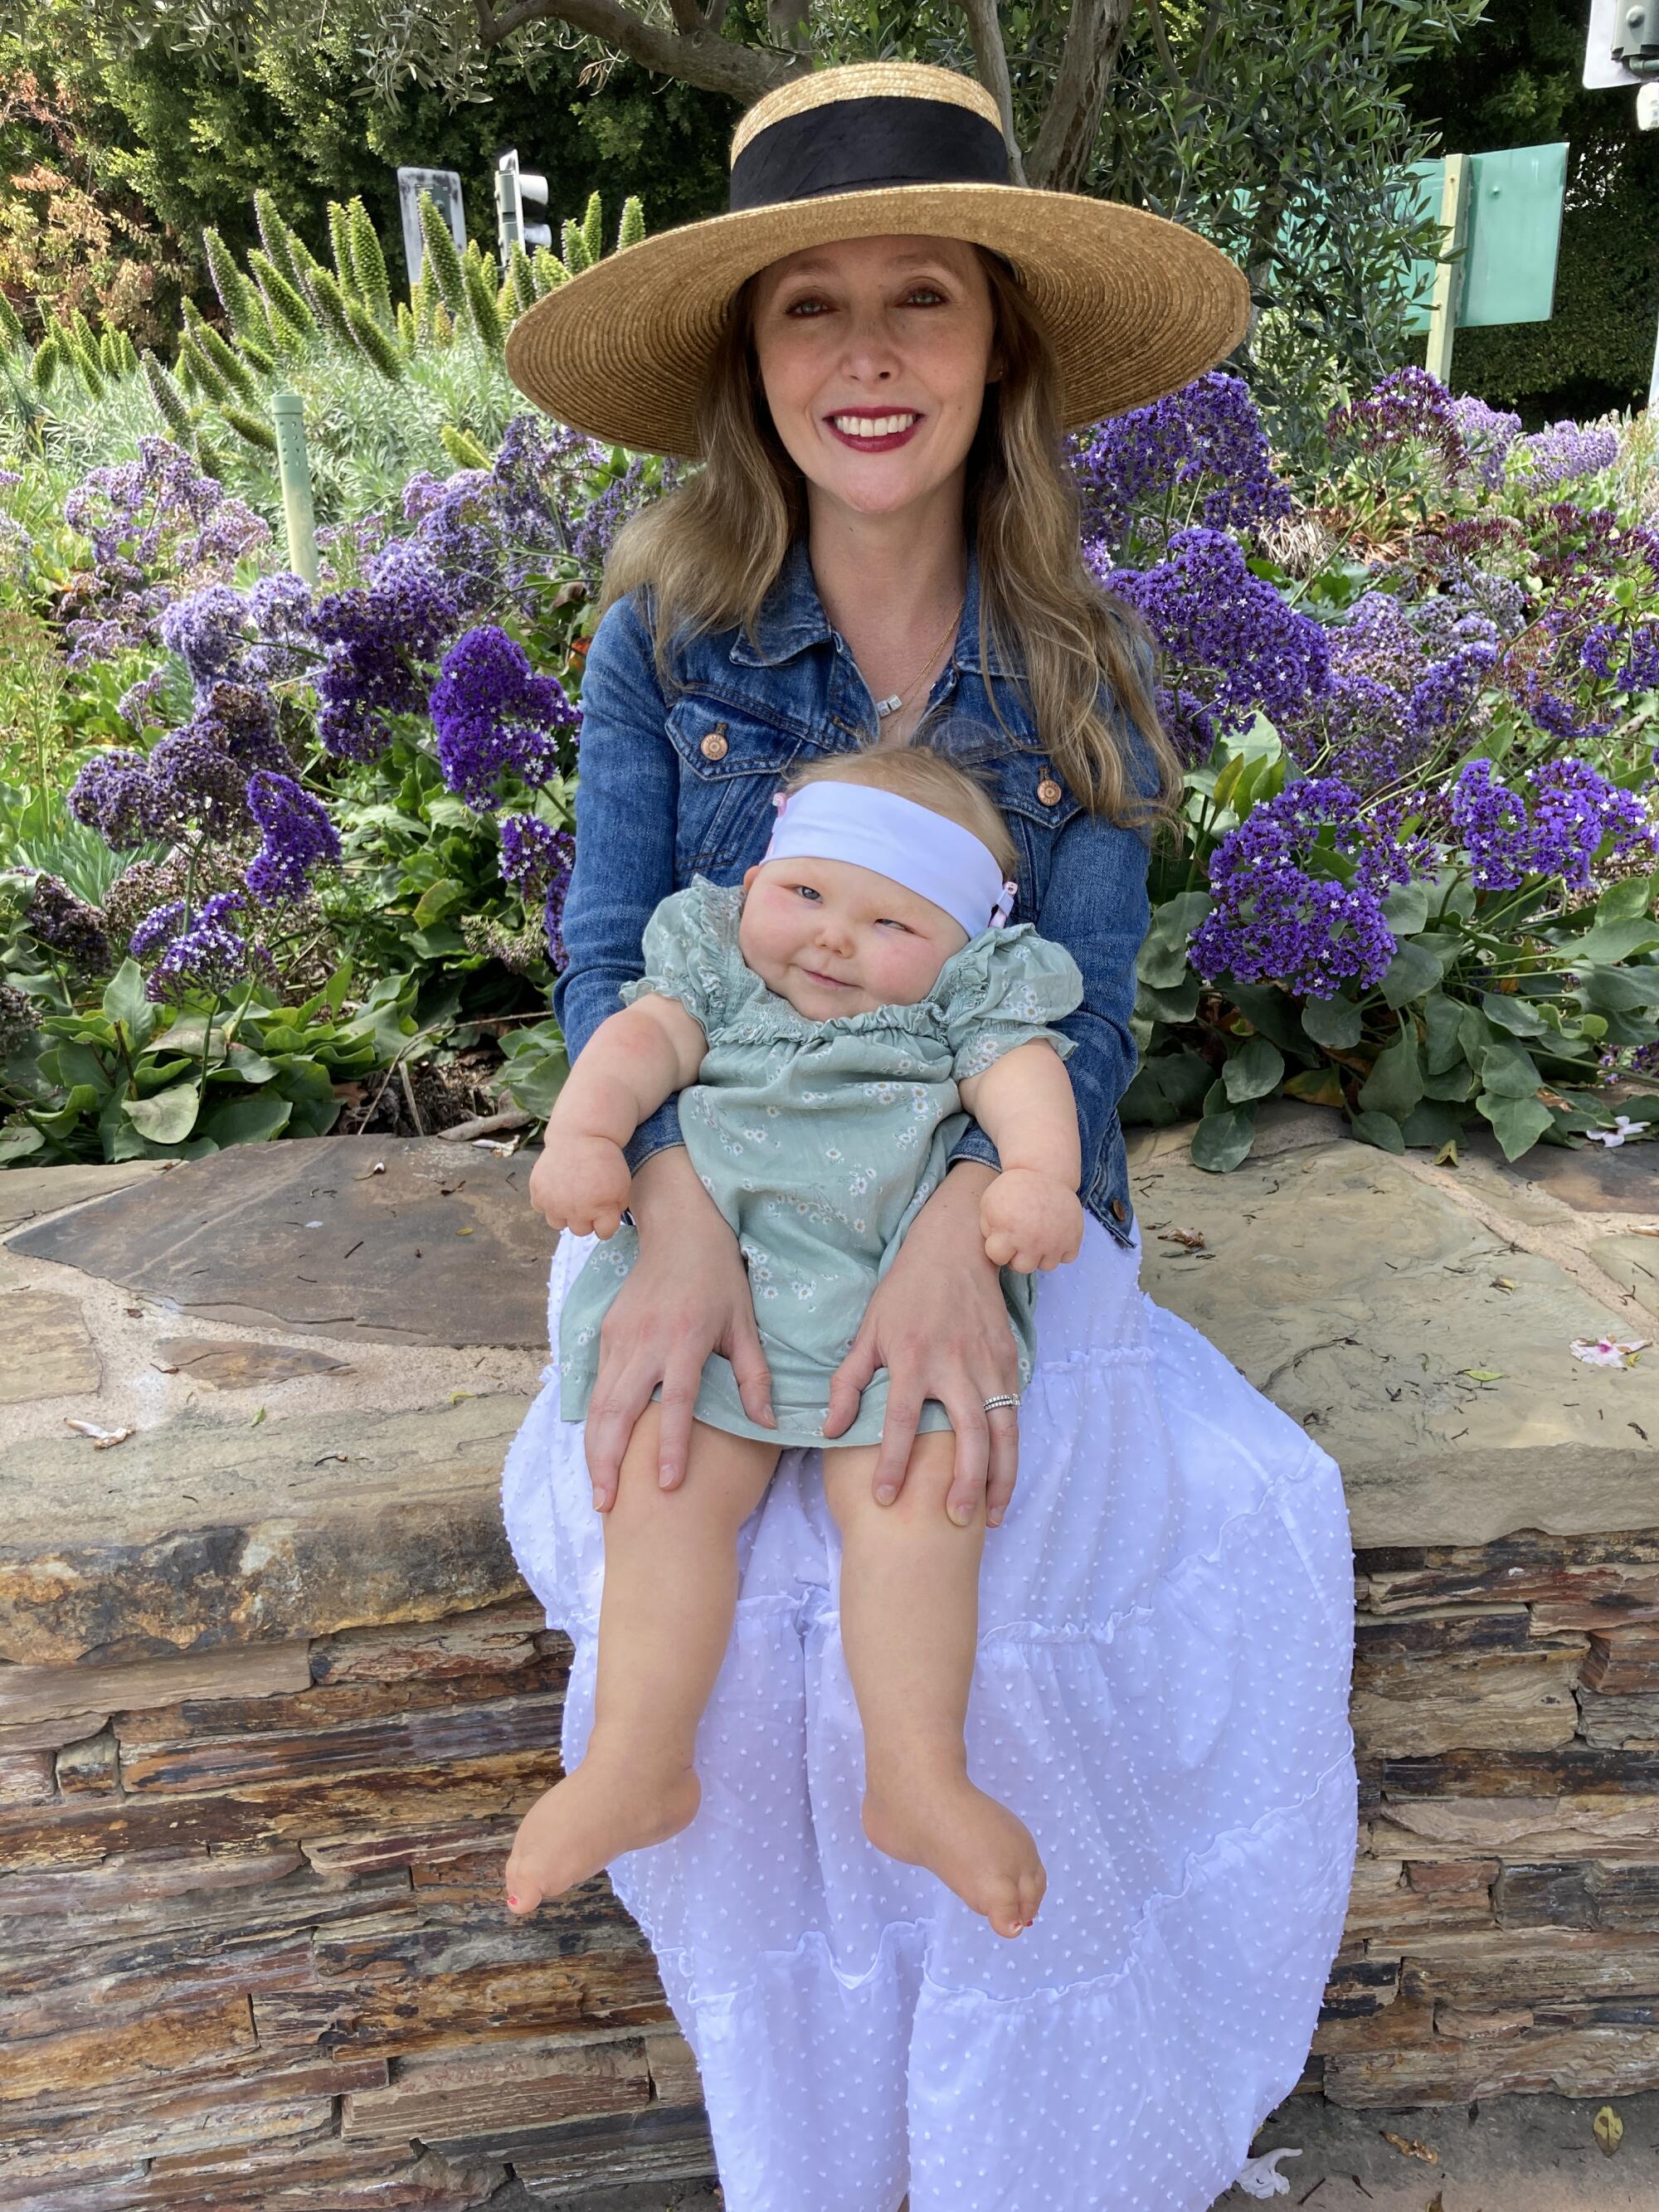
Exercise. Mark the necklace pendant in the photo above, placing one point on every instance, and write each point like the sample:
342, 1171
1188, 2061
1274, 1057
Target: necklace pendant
889, 706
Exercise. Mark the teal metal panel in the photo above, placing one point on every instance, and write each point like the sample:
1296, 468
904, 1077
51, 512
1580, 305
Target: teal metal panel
1516, 198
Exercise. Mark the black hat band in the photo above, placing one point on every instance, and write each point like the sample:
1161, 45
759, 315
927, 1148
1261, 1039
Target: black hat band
865, 145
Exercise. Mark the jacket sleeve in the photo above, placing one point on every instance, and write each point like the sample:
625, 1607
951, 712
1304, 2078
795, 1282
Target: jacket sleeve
627, 802
1096, 905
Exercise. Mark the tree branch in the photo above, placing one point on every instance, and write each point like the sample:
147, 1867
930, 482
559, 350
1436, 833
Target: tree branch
991, 60
1066, 144
1160, 40
698, 57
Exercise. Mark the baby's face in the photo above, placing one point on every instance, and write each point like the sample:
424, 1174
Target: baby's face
833, 938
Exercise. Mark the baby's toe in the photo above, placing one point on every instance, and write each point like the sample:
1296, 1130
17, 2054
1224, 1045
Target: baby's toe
1031, 1889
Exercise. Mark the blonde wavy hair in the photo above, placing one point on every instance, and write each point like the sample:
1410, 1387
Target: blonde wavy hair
711, 550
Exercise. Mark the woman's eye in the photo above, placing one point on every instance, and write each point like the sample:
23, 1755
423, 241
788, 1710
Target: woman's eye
796, 307
928, 290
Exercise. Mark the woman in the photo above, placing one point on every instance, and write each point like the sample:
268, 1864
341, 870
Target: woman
875, 353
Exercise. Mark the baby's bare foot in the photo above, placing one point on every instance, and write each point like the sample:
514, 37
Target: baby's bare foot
605, 1808
976, 1847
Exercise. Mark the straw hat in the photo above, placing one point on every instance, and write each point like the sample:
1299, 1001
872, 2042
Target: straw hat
1136, 307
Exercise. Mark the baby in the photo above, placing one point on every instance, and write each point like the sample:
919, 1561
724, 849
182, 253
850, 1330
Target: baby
830, 1024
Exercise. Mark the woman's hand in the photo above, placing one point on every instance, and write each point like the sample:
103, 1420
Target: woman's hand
686, 1295
939, 1324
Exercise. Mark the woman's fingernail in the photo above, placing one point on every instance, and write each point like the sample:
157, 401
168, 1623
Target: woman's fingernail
599, 1497
666, 1478
886, 1494
994, 1520
959, 1515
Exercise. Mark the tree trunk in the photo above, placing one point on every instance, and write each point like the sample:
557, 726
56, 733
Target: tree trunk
702, 58
1065, 150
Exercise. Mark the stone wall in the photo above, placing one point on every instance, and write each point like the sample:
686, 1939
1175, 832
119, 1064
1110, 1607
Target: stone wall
273, 1699
251, 1938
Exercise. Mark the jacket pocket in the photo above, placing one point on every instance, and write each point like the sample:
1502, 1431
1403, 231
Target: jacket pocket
732, 759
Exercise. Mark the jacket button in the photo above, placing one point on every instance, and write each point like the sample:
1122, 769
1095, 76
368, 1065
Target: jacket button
1049, 791
1117, 1209
713, 746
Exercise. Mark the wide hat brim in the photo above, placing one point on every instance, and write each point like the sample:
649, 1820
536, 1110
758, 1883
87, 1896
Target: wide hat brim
1135, 306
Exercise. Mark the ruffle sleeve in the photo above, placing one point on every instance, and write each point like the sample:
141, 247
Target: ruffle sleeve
691, 955
1008, 988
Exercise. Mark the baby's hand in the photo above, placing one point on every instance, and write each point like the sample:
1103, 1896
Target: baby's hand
1029, 1221
581, 1184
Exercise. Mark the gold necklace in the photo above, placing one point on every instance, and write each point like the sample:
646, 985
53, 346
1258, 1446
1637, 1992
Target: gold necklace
895, 700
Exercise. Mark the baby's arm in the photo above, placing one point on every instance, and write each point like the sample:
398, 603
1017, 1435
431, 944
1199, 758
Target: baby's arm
1030, 1215
634, 1062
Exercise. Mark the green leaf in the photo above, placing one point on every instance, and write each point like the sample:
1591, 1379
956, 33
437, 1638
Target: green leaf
1254, 1069
1267, 1008
1474, 1034
1433, 1124
82, 1100
1319, 1087
1405, 909
1336, 1022
1609, 942
1179, 1005
1410, 974
1517, 1123
1443, 1048
125, 1001
438, 900
251, 1120
17, 1142
1222, 1141
1379, 1129
1451, 1084
1629, 901
1518, 1015
168, 1117
1395, 1082
1510, 1068
1618, 990
1162, 960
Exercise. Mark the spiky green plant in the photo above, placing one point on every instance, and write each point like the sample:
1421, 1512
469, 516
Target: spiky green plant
441, 261
252, 429
236, 372
548, 272
574, 246
631, 229
240, 298
593, 229
170, 403
374, 343
339, 245
49, 358
11, 329
368, 264
328, 297
463, 448
203, 370
480, 305
282, 297
521, 280
275, 236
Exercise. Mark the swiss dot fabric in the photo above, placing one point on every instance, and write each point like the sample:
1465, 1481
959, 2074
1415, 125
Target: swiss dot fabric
1161, 1693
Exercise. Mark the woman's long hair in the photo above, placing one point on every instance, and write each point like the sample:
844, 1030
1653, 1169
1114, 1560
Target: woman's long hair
711, 550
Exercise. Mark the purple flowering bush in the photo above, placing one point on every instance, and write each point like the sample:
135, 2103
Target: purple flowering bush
1418, 700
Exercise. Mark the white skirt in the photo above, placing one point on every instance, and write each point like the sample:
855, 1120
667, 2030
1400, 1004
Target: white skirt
1161, 1694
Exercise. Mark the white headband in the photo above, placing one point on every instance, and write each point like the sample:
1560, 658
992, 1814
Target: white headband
926, 852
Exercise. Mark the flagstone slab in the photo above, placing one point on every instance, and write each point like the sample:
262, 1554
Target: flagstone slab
46, 1350
1634, 1261
387, 1240
1599, 1179
27, 1193
236, 1365
1426, 1353
194, 1535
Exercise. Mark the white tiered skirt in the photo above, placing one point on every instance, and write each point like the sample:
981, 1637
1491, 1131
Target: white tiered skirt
1161, 1694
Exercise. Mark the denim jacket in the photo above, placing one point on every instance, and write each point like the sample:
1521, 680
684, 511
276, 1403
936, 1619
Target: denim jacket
680, 784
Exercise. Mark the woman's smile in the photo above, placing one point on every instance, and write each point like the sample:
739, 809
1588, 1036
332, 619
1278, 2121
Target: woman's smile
876, 433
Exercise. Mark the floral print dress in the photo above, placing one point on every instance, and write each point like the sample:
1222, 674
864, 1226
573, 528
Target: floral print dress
820, 1141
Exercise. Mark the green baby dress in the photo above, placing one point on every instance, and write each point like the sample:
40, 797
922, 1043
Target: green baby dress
820, 1141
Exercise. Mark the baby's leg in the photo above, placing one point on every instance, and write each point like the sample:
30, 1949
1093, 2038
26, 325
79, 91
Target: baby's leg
670, 1589
909, 1623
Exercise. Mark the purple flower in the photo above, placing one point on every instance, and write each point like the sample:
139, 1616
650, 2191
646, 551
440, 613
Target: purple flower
1233, 638
1205, 442
206, 631
55, 918
116, 795
1408, 406
494, 717
536, 860
207, 955
299, 836
1554, 826
1565, 450
198, 784
1275, 921
1487, 436
1444, 698
377, 636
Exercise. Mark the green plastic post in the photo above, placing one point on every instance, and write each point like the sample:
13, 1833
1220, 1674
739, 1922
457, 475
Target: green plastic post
1449, 271
288, 416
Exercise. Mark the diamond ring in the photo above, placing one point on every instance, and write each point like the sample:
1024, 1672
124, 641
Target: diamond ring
1003, 1399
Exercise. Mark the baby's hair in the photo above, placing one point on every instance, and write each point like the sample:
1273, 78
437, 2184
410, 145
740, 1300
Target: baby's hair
915, 773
